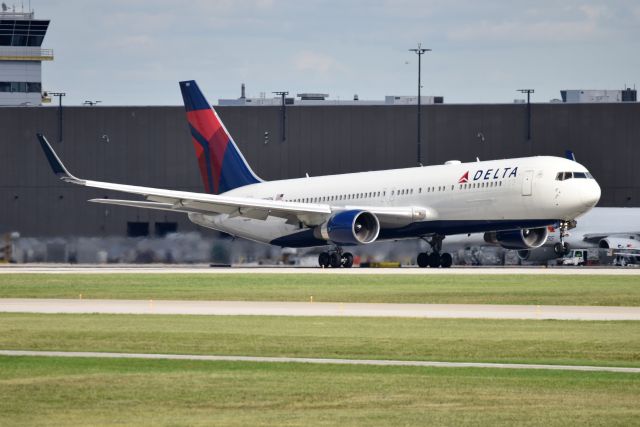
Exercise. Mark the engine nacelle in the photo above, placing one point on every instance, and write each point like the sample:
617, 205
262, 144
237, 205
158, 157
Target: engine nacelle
618, 243
353, 227
537, 256
528, 238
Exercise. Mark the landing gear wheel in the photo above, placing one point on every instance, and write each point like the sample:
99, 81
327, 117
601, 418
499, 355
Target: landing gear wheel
323, 259
335, 260
423, 259
347, 260
446, 260
434, 260
561, 248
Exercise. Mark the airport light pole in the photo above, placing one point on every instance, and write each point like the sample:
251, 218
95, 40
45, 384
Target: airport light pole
419, 51
284, 114
528, 92
59, 95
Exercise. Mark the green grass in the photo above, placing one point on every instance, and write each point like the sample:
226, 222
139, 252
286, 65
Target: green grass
482, 289
58, 391
470, 340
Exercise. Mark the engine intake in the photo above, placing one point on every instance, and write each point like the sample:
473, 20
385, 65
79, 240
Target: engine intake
528, 238
353, 227
618, 243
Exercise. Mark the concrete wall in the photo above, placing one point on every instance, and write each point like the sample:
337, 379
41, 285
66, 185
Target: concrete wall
151, 146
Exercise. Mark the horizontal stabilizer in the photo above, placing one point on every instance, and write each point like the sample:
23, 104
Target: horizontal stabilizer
135, 203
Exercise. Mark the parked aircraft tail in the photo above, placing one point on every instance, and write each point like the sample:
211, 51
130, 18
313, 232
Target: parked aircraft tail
222, 165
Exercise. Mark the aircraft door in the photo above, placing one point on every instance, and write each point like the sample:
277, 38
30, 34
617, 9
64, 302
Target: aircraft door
527, 183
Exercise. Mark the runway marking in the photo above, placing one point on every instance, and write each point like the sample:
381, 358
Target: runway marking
320, 361
319, 309
205, 269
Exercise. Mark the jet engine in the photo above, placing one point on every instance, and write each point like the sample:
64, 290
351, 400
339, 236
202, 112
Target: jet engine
537, 256
354, 227
618, 243
528, 238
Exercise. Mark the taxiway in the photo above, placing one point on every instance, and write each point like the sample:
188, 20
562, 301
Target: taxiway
420, 363
332, 309
205, 269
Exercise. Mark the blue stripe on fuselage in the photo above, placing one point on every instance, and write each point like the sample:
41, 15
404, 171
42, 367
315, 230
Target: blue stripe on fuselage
305, 238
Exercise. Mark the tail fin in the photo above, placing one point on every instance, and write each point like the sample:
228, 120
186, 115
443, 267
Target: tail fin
222, 165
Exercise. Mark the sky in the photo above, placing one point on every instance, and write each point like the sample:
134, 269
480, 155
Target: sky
134, 52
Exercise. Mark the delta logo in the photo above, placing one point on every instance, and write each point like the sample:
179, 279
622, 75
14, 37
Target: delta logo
489, 174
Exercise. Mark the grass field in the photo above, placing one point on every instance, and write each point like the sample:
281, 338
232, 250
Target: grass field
482, 289
57, 391
89, 391
469, 340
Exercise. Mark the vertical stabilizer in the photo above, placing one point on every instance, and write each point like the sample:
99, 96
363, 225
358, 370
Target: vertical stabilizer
222, 165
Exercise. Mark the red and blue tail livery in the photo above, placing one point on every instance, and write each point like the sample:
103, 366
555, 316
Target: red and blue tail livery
222, 166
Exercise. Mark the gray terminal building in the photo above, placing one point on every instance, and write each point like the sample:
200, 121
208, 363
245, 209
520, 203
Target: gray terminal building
151, 146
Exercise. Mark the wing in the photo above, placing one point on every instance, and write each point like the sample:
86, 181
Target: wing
596, 237
310, 214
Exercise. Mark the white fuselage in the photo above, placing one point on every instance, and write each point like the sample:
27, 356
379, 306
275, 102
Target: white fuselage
459, 198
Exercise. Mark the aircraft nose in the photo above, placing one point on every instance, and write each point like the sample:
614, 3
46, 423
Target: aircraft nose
591, 194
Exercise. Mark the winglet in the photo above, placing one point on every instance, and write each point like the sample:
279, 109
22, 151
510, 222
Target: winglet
55, 162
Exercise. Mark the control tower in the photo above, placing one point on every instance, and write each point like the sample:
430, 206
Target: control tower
21, 57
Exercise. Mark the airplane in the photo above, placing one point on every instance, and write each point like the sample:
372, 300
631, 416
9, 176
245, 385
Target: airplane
513, 200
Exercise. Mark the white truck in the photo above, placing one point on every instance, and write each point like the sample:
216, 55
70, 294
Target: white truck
579, 257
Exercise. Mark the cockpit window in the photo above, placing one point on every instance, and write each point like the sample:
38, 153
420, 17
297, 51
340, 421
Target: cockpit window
562, 176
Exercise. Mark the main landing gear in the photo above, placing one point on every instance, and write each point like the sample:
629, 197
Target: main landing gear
435, 259
562, 248
335, 259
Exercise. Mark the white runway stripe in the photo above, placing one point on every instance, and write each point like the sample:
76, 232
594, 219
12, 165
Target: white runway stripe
205, 269
274, 308
415, 363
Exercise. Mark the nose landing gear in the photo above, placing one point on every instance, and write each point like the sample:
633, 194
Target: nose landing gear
335, 259
435, 259
562, 248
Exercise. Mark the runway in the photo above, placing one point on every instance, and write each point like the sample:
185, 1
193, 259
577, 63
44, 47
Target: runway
205, 269
260, 308
415, 363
